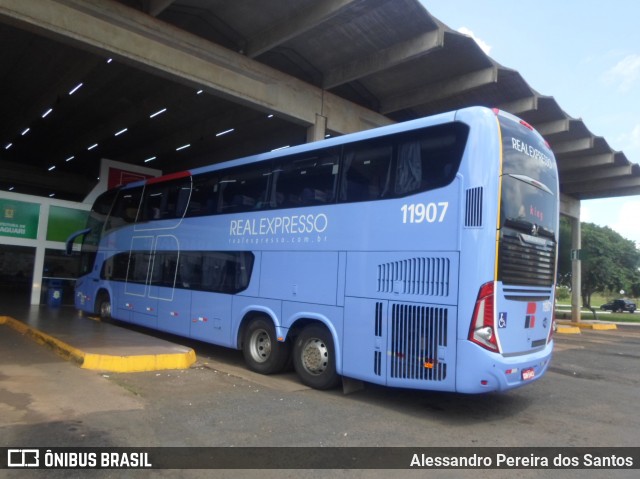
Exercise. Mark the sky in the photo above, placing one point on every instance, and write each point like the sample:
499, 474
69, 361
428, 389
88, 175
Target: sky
584, 53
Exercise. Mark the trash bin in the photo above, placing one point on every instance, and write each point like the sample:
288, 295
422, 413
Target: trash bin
54, 295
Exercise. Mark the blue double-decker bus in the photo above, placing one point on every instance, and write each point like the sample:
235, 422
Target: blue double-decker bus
418, 255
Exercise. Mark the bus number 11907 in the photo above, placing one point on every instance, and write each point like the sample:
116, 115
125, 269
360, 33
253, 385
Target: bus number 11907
424, 212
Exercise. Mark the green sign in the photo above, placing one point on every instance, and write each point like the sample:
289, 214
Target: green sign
19, 219
65, 221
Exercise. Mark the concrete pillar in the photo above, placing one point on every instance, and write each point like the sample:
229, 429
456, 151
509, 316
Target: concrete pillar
570, 207
576, 269
317, 131
38, 263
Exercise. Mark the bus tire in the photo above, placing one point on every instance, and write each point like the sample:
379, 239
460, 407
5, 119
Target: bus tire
103, 306
262, 351
314, 357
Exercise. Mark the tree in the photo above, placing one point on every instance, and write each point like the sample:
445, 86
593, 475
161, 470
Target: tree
609, 261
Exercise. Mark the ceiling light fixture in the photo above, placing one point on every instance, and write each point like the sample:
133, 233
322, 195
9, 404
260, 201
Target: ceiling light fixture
225, 132
51, 168
199, 92
46, 113
150, 159
92, 146
25, 131
183, 147
75, 89
159, 112
118, 133
70, 158
9, 145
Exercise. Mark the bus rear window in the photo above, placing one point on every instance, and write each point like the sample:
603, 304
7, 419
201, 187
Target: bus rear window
529, 181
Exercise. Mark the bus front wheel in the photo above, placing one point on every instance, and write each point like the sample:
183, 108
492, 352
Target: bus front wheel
262, 351
103, 306
314, 358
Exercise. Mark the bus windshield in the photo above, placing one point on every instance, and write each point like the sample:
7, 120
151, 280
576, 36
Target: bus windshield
95, 225
529, 181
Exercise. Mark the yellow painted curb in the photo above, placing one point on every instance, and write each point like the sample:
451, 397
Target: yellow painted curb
604, 327
594, 326
568, 330
104, 362
144, 362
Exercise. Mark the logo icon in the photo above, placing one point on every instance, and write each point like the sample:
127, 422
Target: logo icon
23, 458
534, 229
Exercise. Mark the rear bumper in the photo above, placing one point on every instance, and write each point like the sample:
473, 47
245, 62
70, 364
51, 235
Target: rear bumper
481, 371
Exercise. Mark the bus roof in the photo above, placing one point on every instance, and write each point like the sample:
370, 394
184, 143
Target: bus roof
327, 143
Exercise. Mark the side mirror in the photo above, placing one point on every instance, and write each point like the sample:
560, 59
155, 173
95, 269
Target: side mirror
72, 238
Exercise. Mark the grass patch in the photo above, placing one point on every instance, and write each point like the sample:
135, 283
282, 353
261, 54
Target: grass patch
597, 300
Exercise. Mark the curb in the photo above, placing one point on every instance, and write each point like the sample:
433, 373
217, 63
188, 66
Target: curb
563, 329
104, 362
592, 326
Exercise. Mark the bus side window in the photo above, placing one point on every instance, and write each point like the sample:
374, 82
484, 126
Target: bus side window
204, 195
163, 272
307, 180
244, 189
429, 158
366, 171
165, 200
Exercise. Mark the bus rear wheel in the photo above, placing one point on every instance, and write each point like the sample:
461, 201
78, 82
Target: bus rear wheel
262, 351
314, 358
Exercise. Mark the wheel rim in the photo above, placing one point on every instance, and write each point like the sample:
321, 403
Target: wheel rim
315, 356
105, 309
260, 346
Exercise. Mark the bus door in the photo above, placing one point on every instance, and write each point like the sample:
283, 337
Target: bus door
136, 300
211, 302
168, 288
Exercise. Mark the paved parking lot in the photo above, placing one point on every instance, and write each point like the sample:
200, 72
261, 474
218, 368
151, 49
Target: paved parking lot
588, 398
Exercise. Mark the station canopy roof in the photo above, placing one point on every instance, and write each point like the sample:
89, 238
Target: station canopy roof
73, 92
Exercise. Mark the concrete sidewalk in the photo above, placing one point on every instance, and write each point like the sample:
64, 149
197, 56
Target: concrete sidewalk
96, 345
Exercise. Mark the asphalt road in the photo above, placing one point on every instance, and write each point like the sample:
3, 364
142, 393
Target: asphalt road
588, 398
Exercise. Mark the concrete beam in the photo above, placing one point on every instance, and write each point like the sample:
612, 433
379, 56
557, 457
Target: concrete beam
520, 106
113, 29
602, 187
581, 162
441, 90
291, 27
569, 206
628, 191
384, 59
572, 146
552, 127
584, 175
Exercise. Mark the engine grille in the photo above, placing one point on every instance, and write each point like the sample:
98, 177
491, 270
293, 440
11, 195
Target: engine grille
416, 334
526, 260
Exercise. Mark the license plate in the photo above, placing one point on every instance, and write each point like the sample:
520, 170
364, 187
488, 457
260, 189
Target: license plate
528, 374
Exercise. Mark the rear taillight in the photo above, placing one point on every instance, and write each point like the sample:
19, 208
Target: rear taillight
483, 327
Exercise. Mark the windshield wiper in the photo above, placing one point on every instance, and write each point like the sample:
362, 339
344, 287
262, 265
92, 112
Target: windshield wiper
530, 181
